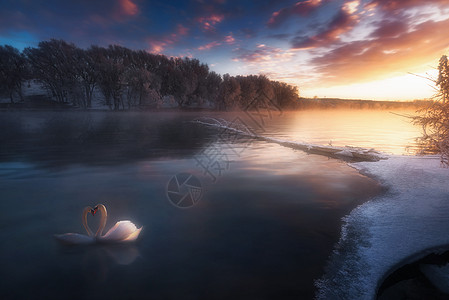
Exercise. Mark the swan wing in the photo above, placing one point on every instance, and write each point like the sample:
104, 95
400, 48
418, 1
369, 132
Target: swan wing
74, 239
121, 231
133, 236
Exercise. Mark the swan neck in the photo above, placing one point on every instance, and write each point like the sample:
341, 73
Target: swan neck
104, 217
84, 219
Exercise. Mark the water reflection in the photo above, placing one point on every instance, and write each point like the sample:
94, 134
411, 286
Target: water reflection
96, 259
56, 139
378, 129
61, 138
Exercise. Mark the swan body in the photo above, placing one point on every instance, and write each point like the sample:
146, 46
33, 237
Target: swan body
121, 232
74, 239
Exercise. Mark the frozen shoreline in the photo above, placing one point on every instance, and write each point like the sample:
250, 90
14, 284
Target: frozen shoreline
391, 229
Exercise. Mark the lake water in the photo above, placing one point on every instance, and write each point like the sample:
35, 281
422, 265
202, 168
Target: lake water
264, 227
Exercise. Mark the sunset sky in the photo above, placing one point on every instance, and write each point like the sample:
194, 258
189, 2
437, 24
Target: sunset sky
347, 49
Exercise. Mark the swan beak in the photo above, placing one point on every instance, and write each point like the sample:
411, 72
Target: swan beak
94, 211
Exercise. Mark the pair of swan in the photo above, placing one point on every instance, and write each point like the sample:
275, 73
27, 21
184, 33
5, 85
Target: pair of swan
121, 232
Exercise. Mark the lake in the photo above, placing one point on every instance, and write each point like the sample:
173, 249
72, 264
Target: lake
262, 224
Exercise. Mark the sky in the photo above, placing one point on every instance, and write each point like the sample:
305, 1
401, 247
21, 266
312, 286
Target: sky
357, 49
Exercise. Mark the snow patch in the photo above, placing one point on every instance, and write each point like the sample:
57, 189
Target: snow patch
389, 230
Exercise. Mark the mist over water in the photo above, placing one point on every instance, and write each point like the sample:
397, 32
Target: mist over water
263, 229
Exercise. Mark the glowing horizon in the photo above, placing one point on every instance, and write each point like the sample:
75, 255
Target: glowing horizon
408, 87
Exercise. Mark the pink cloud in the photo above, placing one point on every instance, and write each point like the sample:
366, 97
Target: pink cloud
128, 8
120, 11
182, 30
157, 46
208, 23
209, 46
302, 8
229, 39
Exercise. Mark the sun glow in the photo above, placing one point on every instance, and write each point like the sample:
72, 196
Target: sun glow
401, 88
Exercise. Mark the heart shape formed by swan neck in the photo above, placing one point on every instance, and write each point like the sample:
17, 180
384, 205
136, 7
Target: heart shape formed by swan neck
93, 211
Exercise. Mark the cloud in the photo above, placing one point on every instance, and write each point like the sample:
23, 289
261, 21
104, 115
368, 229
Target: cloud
128, 8
229, 39
280, 36
158, 45
262, 53
344, 21
387, 28
301, 8
118, 11
208, 23
209, 46
399, 5
386, 54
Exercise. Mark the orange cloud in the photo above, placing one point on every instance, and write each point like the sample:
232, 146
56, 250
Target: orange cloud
385, 55
397, 5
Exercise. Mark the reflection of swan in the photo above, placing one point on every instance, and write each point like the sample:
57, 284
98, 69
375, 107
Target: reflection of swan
121, 232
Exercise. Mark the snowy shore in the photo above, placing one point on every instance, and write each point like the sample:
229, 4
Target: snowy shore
392, 229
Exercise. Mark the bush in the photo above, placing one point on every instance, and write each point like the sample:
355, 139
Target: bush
434, 119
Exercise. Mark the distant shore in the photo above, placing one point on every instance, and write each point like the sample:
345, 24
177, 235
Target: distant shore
44, 102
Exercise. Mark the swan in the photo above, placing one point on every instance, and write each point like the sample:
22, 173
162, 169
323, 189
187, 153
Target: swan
121, 232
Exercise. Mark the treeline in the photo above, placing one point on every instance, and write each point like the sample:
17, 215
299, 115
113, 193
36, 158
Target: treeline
131, 78
335, 103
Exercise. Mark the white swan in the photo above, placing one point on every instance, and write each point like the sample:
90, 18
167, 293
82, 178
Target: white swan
121, 232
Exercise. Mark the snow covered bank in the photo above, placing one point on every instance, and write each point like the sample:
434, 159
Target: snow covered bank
355, 153
390, 230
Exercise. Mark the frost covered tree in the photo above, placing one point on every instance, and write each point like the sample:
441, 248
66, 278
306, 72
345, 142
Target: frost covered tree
286, 95
112, 66
229, 93
435, 118
212, 87
13, 71
52, 64
85, 75
129, 78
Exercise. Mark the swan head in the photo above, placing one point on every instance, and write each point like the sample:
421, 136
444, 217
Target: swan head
94, 210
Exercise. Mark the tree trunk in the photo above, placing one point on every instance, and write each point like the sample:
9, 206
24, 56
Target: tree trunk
11, 97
